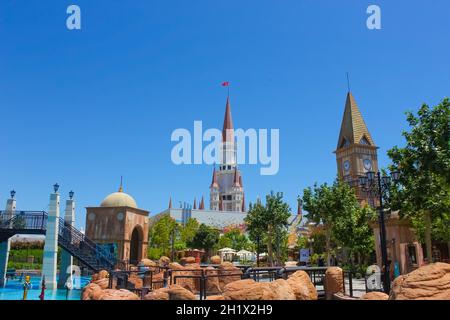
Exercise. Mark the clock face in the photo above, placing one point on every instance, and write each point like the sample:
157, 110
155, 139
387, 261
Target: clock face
367, 164
346, 165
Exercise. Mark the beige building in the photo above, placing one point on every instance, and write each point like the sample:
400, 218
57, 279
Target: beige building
119, 222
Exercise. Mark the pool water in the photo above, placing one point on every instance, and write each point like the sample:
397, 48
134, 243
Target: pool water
14, 290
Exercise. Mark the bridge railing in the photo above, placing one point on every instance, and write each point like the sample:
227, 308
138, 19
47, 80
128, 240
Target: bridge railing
23, 220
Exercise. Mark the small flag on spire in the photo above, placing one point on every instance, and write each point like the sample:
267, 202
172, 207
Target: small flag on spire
226, 84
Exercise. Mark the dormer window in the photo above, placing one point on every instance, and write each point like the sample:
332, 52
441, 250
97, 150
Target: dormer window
364, 141
345, 143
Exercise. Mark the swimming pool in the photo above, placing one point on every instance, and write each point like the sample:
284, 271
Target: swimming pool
14, 290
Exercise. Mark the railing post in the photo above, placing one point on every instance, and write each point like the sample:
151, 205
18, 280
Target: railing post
350, 280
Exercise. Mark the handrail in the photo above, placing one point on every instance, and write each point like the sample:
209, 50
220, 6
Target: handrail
70, 238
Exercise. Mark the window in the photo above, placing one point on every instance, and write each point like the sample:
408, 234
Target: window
364, 141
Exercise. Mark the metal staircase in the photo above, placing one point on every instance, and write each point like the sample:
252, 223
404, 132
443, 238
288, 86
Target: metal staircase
69, 238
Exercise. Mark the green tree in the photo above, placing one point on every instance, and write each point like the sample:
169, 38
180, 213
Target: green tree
160, 235
271, 221
188, 231
351, 223
337, 208
423, 192
235, 239
319, 204
205, 238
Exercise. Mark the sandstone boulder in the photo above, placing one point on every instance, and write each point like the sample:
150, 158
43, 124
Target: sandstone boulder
217, 297
430, 282
250, 290
216, 260
375, 296
334, 282
302, 286
177, 292
173, 292
122, 294
164, 261
149, 263
212, 282
102, 283
159, 294
278, 290
91, 292
228, 273
190, 260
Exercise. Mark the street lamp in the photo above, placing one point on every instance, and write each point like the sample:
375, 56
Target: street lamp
13, 193
377, 186
56, 187
71, 193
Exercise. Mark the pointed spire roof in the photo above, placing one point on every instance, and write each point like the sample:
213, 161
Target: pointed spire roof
195, 203
353, 127
170, 203
240, 181
214, 183
228, 129
202, 204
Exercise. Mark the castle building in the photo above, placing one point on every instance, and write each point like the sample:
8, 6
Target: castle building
227, 190
227, 199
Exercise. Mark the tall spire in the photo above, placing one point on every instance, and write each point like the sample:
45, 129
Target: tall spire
202, 204
228, 129
195, 204
170, 203
353, 127
121, 185
214, 183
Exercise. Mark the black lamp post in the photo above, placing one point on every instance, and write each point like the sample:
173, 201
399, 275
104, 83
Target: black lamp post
56, 187
13, 193
377, 186
71, 193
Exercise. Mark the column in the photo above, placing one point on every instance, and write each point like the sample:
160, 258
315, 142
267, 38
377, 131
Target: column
66, 258
6, 245
49, 262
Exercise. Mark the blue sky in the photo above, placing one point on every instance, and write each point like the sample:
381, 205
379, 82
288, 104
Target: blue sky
83, 107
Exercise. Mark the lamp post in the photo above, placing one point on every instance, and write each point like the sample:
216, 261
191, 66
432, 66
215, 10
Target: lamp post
377, 186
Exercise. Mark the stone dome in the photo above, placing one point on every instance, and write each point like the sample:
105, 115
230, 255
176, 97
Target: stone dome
119, 199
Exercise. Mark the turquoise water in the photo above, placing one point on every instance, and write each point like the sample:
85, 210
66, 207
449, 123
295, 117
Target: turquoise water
14, 290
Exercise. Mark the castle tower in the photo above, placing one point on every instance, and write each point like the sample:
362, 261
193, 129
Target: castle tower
226, 191
356, 152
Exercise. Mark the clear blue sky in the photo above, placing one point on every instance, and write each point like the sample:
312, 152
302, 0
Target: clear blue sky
83, 107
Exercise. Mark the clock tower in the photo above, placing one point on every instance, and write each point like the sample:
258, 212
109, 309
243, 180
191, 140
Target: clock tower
356, 152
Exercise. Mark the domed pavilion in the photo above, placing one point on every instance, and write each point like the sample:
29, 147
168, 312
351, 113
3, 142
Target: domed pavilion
120, 226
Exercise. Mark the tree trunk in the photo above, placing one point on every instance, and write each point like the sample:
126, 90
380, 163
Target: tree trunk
328, 245
269, 247
428, 237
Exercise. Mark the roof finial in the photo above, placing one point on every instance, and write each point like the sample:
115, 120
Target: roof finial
121, 185
348, 82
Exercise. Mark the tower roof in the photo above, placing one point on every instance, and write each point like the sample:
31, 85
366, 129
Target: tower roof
202, 204
214, 183
353, 127
227, 123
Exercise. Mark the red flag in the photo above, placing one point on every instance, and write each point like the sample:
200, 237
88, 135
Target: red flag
225, 84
